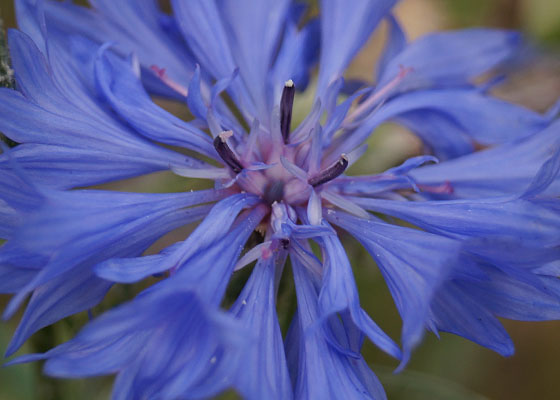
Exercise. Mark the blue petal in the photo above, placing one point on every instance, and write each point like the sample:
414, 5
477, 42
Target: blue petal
125, 93
210, 285
547, 174
339, 293
510, 298
297, 54
206, 34
245, 20
439, 132
18, 196
14, 279
265, 375
194, 99
396, 42
212, 266
30, 19
517, 259
46, 115
212, 229
138, 26
32, 72
65, 295
8, 220
520, 220
455, 310
322, 372
506, 169
410, 164
163, 339
69, 167
414, 264
485, 119
53, 300
344, 30
91, 226
451, 58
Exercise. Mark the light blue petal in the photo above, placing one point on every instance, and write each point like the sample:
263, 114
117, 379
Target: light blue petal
410, 164
338, 114
8, 220
201, 24
18, 193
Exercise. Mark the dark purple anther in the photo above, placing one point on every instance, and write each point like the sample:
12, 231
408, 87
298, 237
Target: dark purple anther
286, 105
330, 173
221, 146
285, 243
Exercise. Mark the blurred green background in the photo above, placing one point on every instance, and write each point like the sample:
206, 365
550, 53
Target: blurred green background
449, 368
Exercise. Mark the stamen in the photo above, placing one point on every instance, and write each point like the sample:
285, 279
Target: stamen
443, 188
162, 74
229, 157
286, 105
331, 172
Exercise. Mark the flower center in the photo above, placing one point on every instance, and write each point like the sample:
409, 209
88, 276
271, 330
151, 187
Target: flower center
268, 164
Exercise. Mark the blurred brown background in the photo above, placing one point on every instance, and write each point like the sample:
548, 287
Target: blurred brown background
450, 368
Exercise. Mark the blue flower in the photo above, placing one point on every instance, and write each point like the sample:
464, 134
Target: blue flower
485, 242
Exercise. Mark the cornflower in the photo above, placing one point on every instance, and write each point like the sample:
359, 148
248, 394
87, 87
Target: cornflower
489, 224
